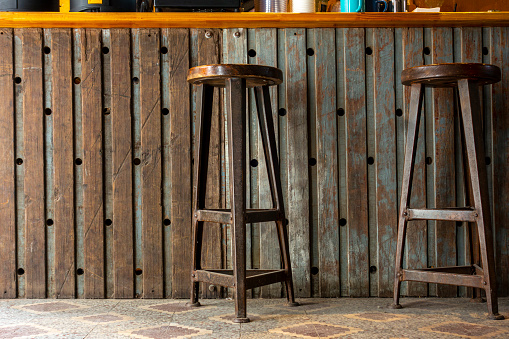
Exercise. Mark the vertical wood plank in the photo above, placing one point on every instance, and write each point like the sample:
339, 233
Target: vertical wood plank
137, 154
7, 180
19, 155
180, 154
92, 162
235, 50
281, 121
444, 168
63, 163
33, 163
327, 162
252, 172
385, 157
235, 47
48, 166
356, 162
107, 164
270, 258
314, 256
499, 50
429, 129
416, 239
151, 181
342, 151
166, 102
208, 52
371, 158
297, 154
77, 35
469, 40
121, 162
487, 96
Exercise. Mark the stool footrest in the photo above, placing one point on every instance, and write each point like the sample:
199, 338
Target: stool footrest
254, 278
456, 275
224, 216
447, 214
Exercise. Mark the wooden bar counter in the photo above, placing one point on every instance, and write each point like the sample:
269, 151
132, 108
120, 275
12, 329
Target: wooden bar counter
251, 20
97, 137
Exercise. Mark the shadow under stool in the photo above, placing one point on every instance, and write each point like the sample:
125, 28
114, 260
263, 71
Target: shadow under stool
236, 79
467, 78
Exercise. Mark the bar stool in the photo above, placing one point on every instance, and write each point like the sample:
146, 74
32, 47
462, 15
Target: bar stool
466, 78
236, 79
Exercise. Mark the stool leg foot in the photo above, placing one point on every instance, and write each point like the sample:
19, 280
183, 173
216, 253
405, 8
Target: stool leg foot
241, 320
195, 290
195, 304
396, 306
496, 316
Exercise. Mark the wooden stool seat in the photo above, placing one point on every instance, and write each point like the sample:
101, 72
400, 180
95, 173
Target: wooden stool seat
236, 79
480, 274
447, 75
217, 75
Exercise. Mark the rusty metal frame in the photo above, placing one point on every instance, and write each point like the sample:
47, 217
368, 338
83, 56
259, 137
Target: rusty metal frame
239, 278
479, 213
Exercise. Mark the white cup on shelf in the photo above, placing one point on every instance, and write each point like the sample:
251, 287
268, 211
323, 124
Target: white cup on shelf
303, 6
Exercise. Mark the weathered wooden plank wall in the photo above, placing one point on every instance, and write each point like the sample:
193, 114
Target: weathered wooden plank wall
98, 136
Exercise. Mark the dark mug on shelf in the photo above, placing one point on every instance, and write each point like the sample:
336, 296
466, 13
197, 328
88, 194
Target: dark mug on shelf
378, 5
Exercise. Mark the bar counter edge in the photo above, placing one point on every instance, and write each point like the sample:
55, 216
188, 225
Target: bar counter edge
252, 20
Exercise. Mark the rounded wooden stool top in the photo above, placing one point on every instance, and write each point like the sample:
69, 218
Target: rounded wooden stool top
216, 75
447, 75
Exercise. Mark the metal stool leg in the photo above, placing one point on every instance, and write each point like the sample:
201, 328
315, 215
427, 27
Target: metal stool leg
236, 106
411, 145
205, 99
472, 124
270, 149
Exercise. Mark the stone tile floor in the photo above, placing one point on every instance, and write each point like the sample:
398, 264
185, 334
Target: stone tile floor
270, 318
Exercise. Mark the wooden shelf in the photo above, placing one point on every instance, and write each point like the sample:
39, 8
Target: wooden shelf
251, 20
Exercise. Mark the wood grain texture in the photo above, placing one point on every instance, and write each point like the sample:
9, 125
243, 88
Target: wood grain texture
63, 163
281, 120
327, 162
93, 210
444, 168
150, 162
208, 52
253, 143
108, 164
416, 239
334, 75
342, 151
297, 148
385, 157
167, 184
7, 180
500, 124
180, 153
251, 20
356, 162
121, 158
33, 164
270, 258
